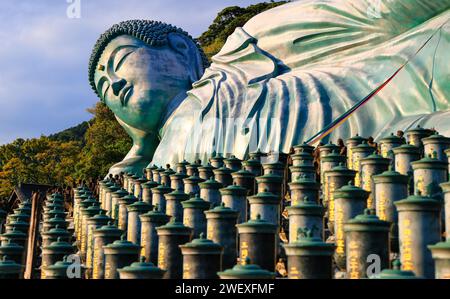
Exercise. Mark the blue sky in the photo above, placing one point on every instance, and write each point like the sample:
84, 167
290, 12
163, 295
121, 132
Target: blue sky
44, 55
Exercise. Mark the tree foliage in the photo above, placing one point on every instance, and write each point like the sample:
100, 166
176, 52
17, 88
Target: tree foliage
226, 22
38, 160
46, 160
72, 134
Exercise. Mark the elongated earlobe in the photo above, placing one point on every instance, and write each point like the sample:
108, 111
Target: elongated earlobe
190, 54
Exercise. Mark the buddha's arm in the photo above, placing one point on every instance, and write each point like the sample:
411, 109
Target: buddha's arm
144, 146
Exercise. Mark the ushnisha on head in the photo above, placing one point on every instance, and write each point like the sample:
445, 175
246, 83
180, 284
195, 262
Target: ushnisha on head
138, 67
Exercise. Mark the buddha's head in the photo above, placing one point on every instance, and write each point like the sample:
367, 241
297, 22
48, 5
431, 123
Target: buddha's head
138, 67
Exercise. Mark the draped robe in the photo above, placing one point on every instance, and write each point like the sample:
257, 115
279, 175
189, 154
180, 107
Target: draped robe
292, 70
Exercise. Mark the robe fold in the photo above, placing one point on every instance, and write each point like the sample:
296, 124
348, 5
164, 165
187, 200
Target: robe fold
292, 70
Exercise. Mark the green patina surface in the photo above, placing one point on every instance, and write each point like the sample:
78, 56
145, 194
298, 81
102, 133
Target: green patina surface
282, 77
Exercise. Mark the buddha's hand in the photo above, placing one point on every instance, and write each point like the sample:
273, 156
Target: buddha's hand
135, 165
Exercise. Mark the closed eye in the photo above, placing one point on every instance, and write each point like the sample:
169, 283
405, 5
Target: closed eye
121, 60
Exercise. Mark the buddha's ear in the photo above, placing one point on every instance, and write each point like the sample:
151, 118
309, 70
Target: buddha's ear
190, 53
179, 43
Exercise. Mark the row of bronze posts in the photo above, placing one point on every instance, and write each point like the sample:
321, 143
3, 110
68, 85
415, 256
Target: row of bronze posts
14, 229
363, 209
348, 210
54, 238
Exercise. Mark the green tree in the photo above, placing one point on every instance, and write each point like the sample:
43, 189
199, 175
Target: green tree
72, 134
37, 160
12, 172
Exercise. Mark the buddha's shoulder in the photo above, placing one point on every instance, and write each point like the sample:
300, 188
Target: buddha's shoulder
185, 114
285, 14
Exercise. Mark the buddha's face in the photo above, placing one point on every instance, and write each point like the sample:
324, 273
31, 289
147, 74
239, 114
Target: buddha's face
137, 81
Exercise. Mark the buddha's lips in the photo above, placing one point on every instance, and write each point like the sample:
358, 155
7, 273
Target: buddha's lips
125, 94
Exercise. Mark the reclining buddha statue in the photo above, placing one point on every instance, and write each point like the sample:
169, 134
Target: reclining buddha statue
279, 80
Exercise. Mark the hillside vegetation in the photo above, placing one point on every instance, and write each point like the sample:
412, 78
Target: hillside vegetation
72, 134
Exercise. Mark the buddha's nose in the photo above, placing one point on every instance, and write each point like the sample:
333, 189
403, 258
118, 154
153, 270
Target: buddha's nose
117, 86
